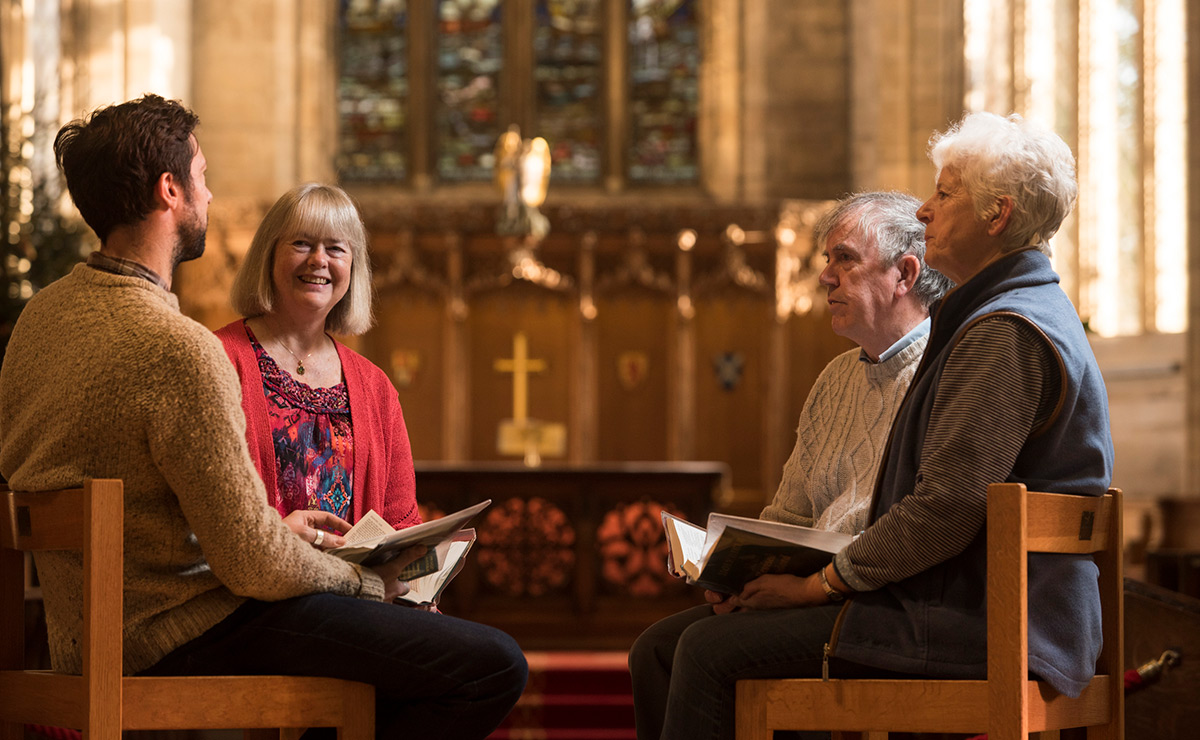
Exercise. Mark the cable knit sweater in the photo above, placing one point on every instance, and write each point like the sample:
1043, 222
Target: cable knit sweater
830, 476
105, 378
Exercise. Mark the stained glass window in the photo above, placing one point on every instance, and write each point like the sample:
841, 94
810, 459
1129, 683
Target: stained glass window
569, 77
469, 58
425, 88
664, 61
372, 90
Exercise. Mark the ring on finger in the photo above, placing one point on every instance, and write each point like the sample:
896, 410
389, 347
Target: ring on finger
319, 538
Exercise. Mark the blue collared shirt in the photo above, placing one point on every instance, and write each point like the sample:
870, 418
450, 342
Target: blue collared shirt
917, 332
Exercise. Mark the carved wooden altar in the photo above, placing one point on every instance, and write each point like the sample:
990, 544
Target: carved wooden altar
570, 556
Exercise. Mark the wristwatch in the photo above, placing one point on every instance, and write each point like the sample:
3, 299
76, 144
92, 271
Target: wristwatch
830, 591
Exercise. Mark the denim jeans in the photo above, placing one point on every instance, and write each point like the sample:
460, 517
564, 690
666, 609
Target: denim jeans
434, 675
685, 668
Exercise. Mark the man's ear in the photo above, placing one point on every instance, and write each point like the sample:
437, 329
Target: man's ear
167, 191
910, 269
998, 215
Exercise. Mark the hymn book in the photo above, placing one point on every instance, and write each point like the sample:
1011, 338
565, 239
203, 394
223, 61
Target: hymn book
427, 590
735, 550
372, 541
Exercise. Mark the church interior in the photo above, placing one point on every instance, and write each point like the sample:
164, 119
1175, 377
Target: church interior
590, 227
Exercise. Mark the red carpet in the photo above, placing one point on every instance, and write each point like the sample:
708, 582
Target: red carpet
573, 696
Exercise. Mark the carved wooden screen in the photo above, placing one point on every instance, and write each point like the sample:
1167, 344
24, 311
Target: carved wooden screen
409, 339
635, 331
496, 316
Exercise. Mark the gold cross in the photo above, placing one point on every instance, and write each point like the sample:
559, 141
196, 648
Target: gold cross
520, 366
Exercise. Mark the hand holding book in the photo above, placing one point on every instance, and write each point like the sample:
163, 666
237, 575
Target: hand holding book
735, 550
372, 540
373, 543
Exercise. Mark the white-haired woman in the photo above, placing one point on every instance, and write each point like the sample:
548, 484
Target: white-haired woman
324, 424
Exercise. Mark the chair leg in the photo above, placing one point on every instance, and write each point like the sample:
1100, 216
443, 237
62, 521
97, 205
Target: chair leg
750, 710
359, 726
1108, 731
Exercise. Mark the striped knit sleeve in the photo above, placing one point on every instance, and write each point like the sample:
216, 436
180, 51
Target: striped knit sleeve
1000, 382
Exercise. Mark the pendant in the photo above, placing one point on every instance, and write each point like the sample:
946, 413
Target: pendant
300, 368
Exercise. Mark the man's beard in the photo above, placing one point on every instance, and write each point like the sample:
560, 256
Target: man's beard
189, 241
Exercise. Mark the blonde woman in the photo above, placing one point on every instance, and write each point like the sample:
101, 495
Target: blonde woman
324, 425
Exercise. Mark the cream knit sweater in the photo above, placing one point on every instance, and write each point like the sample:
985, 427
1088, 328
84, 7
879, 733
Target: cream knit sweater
105, 378
844, 425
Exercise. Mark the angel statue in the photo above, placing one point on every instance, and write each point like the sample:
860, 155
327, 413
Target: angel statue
522, 176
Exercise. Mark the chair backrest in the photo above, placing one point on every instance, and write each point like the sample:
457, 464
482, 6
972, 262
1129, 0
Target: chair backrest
1020, 522
89, 519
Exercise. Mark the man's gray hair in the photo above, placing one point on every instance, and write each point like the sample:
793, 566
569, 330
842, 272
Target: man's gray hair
888, 220
999, 156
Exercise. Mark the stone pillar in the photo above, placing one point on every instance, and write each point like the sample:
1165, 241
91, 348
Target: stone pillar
115, 51
795, 99
907, 78
263, 89
1192, 367
263, 86
720, 130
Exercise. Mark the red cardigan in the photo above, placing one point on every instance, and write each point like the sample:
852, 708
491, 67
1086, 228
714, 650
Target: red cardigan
383, 466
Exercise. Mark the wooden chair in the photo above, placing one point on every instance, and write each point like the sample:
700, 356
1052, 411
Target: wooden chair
1008, 705
102, 702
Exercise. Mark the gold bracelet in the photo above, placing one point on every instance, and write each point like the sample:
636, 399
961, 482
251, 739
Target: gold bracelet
830, 591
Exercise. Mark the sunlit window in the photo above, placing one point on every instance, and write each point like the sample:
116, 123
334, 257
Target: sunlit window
1107, 75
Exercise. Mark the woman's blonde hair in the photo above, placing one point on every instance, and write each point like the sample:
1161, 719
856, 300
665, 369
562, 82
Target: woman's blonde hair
319, 211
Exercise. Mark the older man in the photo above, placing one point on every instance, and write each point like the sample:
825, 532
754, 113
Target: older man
879, 294
104, 378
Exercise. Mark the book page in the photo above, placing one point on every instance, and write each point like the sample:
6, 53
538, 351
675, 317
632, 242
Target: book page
817, 538
381, 549
685, 542
371, 526
427, 589
691, 541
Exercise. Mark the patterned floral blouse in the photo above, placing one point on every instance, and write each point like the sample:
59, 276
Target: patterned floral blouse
314, 442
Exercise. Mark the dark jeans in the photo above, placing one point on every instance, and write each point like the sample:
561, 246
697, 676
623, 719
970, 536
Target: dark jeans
434, 675
685, 668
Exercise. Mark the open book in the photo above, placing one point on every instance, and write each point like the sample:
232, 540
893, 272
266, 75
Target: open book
735, 550
372, 540
426, 590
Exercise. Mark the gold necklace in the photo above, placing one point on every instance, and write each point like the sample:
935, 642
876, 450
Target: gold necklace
299, 362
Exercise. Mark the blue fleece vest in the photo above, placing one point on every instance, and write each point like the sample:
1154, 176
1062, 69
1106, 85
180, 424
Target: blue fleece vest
935, 623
